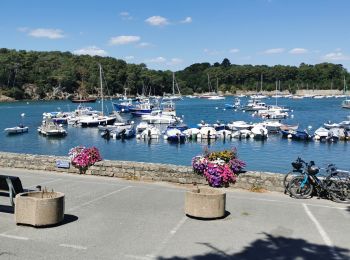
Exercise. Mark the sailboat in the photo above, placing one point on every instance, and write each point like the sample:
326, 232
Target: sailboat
346, 102
98, 119
259, 95
212, 95
173, 96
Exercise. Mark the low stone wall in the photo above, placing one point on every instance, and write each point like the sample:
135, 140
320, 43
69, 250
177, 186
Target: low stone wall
138, 171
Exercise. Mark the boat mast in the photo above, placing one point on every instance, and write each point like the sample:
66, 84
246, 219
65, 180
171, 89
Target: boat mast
101, 87
261, 82
276, 93
173, 83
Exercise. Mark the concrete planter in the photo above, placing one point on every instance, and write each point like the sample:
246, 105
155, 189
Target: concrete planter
205, 203
39, 208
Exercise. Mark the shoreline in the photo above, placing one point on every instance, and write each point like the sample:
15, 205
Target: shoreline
138, 171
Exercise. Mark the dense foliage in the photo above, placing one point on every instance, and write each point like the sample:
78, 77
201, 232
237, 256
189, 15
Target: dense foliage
52, 71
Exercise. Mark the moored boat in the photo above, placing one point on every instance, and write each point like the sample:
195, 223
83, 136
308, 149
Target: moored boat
16, 130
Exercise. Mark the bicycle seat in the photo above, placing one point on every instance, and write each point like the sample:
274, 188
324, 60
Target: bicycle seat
297, 165
312, 169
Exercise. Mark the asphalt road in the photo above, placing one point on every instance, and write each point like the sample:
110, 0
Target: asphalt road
109, 218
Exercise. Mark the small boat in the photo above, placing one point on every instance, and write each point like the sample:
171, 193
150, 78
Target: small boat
84, 100
174, 135
219, 126
323, 134
191, 133
345, 103
125, 133
272, 126
157, 117
180, 126
296, 135
16, 130
239, 125
207, 133
286, 127
345, 124
141, 127
123, 107
49, 128
203, 124
224, 134
242, 134
96, 120
260, 132
150, 132
330, 125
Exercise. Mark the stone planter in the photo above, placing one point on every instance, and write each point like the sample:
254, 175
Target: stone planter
205, 203
39, 208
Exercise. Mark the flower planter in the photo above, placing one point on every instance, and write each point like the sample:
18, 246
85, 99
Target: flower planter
205, 203
39, 208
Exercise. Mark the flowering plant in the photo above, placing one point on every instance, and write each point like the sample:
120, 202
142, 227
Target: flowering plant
83, 157
219, 168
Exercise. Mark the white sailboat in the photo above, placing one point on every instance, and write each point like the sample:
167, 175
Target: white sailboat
173, 96
100, 118
346, 102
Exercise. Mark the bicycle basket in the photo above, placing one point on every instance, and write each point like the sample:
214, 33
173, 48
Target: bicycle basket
312, 170
297, 165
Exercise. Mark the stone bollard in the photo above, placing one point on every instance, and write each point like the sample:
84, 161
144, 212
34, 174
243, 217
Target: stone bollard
39, 208
205, 203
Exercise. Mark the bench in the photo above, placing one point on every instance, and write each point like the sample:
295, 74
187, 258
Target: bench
12, 185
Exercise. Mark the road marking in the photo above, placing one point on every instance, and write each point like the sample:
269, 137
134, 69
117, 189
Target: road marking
287, 202
167, 238
14, 237
99, 198
320, 229
46, 182
74, 246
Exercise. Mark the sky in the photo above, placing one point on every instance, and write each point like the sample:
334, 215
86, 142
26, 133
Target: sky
173, 34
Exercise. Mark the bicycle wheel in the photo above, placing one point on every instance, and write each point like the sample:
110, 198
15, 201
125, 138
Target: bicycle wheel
298, 189
339, 190
286, 180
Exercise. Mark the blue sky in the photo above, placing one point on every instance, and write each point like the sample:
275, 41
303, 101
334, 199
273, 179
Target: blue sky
173, 34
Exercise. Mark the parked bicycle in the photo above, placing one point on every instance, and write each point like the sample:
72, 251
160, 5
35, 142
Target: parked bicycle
335, 185
298, 169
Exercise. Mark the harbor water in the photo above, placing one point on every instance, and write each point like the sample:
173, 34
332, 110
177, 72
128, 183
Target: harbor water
273, 155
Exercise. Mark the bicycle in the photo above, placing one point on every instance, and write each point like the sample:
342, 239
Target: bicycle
298, 169
335, 186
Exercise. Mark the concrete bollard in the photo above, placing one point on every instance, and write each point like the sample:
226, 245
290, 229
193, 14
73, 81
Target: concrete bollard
205, 203
39, 208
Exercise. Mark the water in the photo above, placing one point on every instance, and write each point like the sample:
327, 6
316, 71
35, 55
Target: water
273, 155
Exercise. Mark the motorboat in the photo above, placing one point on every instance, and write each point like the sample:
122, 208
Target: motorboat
239, 125
143, 108
219, 126
207, 133
96, 120
191, 133
49, 128
150, 132
345, 124
242, 134
181, 126
255, 105
296, 135
323, 134
16, 130
235, 105
272, 126
125, 133
224, 134
286, 127
259, 131
168, 108
157, 117
141, 127
203, 124
116, 126
123, 107
330, 125
174, 135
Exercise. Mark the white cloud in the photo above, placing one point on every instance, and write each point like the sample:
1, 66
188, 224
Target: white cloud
91, 50
124, 39
144, 44
47, 33
233, 50
157, 60
157, 21
187, 20
274, 51
298, 51
175, 61
129, 57
335, 56
125, 16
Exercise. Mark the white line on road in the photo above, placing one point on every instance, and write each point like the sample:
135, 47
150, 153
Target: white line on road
74, 246
320, 229
322, 232
14, 237
98, 198
167, 238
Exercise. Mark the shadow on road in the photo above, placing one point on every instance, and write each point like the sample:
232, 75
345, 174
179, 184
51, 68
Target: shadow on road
274, 248
7, 209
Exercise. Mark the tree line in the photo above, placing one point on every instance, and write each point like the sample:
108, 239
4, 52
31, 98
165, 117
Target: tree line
53, 70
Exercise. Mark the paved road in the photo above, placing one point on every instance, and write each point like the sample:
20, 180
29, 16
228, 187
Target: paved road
116, 219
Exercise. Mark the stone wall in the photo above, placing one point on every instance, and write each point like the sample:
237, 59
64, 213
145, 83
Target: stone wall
138, 171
